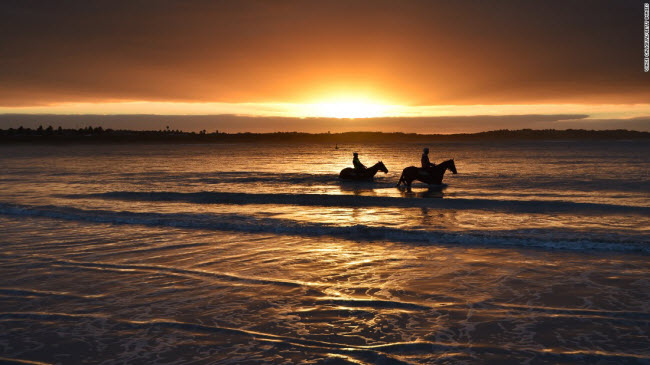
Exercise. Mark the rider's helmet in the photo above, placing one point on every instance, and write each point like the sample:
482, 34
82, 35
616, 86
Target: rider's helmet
355, 154
426, 150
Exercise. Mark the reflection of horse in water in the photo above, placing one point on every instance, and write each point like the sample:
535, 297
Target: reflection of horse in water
349, 173
429, 176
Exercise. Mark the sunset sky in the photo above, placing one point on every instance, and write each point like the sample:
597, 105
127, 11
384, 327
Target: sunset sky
436, 66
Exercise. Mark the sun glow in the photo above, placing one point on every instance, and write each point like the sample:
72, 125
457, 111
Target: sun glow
348, 110
333, 108
345, 107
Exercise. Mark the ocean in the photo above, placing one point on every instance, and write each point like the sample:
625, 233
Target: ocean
535, 252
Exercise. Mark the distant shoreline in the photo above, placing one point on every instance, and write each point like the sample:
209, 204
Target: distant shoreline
99, 135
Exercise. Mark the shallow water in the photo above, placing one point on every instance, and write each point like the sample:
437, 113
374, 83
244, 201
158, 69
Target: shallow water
250, 253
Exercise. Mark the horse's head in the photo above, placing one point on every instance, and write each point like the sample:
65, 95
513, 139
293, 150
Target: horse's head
382, 167
452, 167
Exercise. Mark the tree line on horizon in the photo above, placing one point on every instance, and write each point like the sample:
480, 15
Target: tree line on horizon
99, 134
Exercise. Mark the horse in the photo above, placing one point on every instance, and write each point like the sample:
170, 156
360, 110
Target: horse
350, 173
431, 176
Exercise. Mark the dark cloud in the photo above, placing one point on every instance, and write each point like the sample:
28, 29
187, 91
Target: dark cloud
230, 123
420, 52
636, 124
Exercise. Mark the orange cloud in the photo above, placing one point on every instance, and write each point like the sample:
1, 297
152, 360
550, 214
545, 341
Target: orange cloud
414, 53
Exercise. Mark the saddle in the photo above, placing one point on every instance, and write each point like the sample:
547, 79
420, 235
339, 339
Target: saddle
360, 172
424, 172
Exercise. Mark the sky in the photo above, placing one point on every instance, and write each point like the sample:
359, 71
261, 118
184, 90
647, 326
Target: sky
425, 66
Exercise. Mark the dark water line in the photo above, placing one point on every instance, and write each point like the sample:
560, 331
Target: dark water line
327, 200
243, 223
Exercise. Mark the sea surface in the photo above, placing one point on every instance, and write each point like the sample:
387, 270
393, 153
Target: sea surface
535, 252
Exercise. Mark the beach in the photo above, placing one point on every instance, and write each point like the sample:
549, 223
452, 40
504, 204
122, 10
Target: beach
535, 252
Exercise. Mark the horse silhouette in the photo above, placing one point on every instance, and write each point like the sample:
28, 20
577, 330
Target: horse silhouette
350, 173
429, 176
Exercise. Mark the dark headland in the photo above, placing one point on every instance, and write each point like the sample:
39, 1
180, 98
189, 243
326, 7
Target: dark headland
50, 135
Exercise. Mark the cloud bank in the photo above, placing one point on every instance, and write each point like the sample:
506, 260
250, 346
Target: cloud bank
419, 52
233, 124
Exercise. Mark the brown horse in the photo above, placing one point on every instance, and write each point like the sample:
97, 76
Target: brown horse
430, 176
349, 173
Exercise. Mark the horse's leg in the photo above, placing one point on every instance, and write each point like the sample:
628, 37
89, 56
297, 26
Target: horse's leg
401, 178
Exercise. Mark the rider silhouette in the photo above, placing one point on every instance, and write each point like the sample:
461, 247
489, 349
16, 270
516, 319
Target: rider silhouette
358, 166
426, 164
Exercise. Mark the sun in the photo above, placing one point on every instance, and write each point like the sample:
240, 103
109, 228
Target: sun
350, 109
346, 107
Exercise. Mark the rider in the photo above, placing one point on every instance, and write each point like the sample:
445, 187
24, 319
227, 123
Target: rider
426, 164
358, 166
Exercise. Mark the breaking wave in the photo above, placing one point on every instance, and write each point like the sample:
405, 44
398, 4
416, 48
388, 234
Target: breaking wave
566, 239
328, 200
